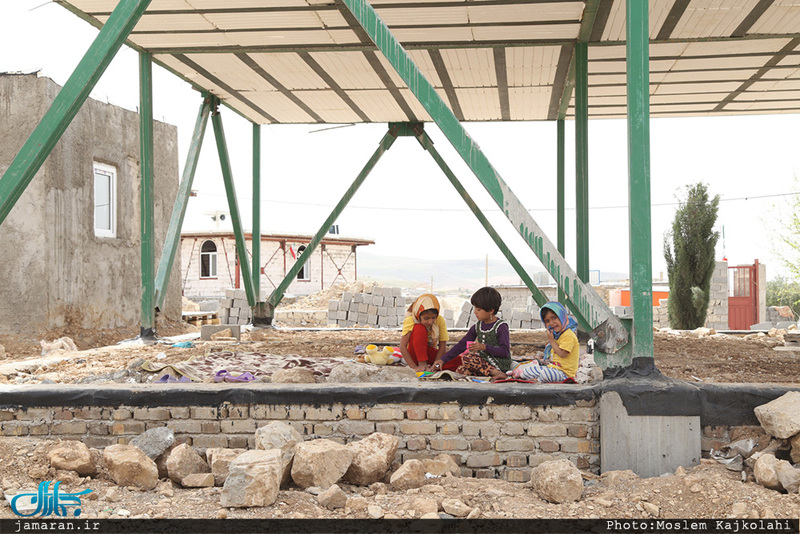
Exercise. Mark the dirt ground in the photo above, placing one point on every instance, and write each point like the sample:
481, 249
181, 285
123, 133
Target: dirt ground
714, 358
705, 491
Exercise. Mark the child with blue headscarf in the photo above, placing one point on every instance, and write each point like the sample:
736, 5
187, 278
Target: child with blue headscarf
562, 353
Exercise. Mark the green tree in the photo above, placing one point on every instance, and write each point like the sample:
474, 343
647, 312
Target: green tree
689, 251
784, 292
787, 236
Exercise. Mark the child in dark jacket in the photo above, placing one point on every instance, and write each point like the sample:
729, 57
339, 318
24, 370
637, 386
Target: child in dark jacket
485, 350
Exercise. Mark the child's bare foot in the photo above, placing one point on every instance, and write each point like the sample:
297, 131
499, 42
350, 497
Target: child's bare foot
498, 375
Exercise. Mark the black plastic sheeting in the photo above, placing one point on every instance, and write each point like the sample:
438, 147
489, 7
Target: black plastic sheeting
655, 394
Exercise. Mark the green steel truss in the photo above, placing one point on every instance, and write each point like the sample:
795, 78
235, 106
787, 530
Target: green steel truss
609, 332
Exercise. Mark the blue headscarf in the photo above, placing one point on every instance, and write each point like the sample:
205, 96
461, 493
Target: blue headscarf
561, 312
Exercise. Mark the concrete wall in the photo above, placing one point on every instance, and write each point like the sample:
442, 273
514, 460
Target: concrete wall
56, 272
323, 267
717, 315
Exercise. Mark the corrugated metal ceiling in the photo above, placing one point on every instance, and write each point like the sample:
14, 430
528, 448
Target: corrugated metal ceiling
308, 61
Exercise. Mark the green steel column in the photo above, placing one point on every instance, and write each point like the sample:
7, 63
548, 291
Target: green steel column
277, 293
233, 206
172, 242
146, 208
257, 211
582, 160
609, 331
67, 103
638, 80
560, 160
427, 144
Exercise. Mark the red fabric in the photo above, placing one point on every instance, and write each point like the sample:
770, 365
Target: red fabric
453, 364
418, 346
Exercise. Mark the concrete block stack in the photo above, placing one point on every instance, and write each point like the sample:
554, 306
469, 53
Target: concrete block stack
383, 307
522, 319
233, 309
465, 317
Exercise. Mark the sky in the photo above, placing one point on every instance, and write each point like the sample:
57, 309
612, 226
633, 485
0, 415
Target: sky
407, 206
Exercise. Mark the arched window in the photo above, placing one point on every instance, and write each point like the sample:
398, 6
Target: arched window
303, 274
208, 260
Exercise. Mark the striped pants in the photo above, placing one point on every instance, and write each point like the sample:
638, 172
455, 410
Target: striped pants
542, 373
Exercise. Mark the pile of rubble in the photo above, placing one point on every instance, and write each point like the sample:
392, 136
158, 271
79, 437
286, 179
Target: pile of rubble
770, 462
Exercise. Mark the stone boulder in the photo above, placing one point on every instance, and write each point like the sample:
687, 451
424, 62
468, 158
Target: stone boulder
184, 461
277, 435
198, 480
220, 459
557, 481
320, 463
410, 475
129, 466
72, 456
332, 498
456, 507
788, 476
296, 375
781, 417
254, 479
154, 442
765, 471
795, 452
441, 466
372, 457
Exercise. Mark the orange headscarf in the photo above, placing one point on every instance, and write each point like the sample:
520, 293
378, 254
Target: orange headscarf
426, 302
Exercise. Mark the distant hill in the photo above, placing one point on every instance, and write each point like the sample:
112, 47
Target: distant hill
447, 274
467, 275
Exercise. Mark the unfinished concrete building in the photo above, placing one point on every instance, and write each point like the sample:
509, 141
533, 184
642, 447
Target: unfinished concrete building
71, 243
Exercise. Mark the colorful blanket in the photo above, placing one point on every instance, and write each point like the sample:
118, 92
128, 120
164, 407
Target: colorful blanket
203, 368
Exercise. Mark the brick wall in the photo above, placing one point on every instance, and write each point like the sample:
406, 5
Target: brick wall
488, 441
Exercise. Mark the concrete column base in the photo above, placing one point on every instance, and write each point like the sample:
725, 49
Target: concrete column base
649, 445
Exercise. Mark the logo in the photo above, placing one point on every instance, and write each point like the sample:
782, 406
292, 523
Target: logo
47, 503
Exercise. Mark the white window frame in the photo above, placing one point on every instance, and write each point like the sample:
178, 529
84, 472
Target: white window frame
101, 169
304, 274
212, 260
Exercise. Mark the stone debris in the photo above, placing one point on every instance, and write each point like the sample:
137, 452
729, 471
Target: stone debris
254, 479
372, 457
332, 497
456, 508
557, 481
129, 466
442, 465
781, 417
320, 462
154, 442
72, 456
278, 435
184, 461
198, 480
410, 475
220, 459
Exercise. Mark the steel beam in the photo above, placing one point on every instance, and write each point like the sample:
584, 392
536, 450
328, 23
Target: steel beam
582, 160
67, 103
609, 331
277, 293
638, 79
172, 242
233, 206
146, 203
561, 221
257, 211
427, 144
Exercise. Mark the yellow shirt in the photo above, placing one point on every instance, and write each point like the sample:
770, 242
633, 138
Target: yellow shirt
408, 325
568, 341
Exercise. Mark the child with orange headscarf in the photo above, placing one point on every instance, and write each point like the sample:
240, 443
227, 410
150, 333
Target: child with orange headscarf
424, 333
